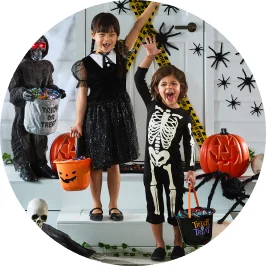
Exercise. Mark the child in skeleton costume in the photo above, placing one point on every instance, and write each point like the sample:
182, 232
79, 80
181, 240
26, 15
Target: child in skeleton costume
167, 124
29, 150
105, 120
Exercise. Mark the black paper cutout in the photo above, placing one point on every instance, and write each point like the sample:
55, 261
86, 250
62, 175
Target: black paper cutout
121, 6
256, 109
219, 57
233, 103
247, 81
223, 82
197, 49
162, 38
168, 8
242, 61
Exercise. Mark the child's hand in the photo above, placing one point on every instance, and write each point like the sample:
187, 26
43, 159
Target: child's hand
76, 131
191, 178
151, 47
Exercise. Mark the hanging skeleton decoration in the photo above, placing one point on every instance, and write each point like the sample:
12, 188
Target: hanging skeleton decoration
38, 211
161, 131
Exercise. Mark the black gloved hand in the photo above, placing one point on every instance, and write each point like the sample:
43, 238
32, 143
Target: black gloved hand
63, 93
28, 96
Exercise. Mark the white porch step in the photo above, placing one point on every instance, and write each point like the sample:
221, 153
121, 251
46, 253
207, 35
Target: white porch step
133, 230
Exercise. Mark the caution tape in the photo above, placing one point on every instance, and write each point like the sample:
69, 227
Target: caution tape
162, 59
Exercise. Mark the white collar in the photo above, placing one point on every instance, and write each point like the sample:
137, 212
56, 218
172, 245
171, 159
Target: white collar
98, 58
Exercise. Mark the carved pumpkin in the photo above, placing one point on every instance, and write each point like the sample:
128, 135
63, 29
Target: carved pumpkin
224, 152
62, 148
74, 174
256, 163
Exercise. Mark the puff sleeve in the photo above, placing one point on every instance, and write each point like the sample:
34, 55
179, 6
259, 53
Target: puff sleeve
79, 72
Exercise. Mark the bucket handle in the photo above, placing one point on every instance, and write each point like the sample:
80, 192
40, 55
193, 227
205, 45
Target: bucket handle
66, 138
191, 187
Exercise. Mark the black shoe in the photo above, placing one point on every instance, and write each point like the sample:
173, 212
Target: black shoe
26, 173
177, 252
96, 216
116, 216
158, 254
45, 171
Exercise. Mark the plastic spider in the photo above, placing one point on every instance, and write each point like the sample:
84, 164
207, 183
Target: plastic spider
197, 49
233, 103
219, 57
168, 8
247, 81
162, 38
223, 82
256, 109
242, 61
121, 6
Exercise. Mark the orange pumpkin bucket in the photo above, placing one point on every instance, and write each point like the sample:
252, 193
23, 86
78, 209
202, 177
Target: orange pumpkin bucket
74, 174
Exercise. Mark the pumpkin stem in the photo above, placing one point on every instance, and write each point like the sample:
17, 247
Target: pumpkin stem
224, 131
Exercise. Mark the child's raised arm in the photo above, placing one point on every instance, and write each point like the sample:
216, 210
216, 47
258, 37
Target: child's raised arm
151, 52
139, 24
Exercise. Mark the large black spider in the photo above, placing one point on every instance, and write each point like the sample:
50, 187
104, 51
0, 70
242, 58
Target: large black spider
242, 61
232, 189
233, 103
256, 109
121, 6
168, 8
219, 57
162, 38
197, 49
247, 81
223, 82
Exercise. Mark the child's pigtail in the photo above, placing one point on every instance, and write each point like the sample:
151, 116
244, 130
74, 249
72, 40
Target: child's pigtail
92, 45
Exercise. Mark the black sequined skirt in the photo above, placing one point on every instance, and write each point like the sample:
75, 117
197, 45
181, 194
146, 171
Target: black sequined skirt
109, 132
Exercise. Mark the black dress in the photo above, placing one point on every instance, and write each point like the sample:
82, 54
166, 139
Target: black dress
109, 128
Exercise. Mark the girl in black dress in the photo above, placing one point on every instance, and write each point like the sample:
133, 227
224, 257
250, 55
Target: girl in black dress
104, 119
167, 124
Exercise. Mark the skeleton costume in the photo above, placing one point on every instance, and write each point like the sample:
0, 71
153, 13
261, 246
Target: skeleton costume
29, 150
109, 128
165, 129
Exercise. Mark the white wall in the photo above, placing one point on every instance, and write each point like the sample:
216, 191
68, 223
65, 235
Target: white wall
67, 44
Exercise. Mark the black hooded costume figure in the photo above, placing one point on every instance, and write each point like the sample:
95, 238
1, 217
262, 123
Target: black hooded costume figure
29, 150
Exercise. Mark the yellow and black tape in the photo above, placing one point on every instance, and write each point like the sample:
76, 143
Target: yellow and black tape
162, 59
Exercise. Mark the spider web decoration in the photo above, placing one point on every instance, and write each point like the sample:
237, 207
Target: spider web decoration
247, 81
256, 109
223, 82
233, 103
121, 6
242, 61
219, 57
162, 38
168, 8
197, 49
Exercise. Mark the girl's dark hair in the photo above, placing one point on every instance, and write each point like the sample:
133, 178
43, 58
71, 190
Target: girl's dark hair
163, 72
105, 22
